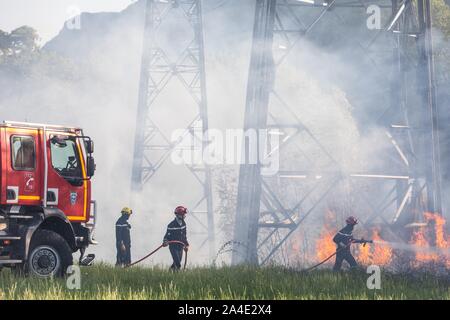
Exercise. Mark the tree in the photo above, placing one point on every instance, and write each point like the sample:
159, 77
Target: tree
23, 40
21, 56
5, 43
226, 188
441, 21
441, 17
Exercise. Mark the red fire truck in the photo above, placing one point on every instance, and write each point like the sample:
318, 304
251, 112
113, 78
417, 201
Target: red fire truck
46, 211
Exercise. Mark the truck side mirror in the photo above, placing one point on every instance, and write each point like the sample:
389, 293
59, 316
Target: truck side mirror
89, 146
90, 166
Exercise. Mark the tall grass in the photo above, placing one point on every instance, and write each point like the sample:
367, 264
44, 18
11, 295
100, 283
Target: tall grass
106, 282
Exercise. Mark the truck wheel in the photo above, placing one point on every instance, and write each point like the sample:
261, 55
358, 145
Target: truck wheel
49, 255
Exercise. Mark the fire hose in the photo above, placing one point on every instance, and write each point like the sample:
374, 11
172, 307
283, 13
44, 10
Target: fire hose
364, 242
157, 249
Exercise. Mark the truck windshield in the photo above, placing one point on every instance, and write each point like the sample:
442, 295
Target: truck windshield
65, 159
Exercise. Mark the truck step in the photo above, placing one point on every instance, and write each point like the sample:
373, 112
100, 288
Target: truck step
9, 261
9, 237
88, 260
15, 216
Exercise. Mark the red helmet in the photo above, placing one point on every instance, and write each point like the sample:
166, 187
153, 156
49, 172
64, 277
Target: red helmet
181, 210
351, 220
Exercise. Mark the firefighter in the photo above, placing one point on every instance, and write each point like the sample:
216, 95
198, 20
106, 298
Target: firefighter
344, 239
123, 239
176, 231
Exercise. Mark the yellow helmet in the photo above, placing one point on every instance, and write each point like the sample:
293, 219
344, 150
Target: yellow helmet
126, 210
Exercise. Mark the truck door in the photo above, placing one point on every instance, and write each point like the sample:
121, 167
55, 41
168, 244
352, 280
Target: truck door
67, 184
24, 174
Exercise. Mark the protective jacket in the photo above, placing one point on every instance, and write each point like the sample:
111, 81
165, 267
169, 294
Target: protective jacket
176, 230
343, 239
123, 240
345, 236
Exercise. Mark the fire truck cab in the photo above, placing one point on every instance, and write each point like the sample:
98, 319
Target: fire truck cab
46, 210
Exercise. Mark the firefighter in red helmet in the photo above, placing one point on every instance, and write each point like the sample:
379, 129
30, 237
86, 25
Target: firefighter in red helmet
176, 231
344, 239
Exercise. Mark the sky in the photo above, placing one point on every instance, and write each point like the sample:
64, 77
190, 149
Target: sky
48, 16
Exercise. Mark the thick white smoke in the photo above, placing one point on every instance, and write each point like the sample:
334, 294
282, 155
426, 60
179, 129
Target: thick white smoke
106, 54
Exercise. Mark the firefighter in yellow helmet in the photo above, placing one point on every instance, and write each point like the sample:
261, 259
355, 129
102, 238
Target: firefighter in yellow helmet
123, 238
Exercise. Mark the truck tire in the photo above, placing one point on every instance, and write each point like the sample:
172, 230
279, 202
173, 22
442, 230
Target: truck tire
49, 255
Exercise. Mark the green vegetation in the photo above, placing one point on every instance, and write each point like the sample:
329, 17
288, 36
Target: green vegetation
441, 17
21, 56
106, 282
441, 21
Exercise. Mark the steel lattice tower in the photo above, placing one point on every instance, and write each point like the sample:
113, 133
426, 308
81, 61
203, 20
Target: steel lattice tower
264, 219
180, 62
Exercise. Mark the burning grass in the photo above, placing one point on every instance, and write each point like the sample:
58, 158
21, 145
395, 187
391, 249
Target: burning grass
435, 234
428, 247
106, 282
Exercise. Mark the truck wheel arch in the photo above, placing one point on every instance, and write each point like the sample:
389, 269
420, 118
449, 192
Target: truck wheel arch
53, 220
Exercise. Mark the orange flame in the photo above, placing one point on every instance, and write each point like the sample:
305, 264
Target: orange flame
439, 225
433, 236
366, 255
441, 241
382, 255
375, 254
325, 246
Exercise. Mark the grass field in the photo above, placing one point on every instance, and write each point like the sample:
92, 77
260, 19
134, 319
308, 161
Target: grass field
106, 282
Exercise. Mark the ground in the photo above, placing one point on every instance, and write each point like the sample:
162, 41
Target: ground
106, 282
